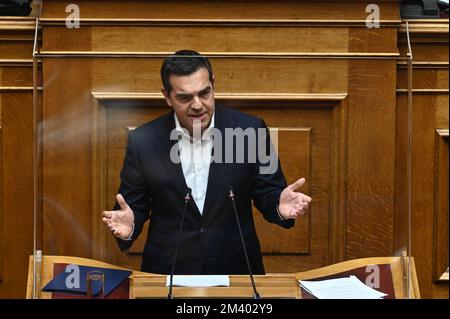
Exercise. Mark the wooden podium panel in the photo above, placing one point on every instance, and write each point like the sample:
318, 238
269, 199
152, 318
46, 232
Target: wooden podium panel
283, 286
274, 286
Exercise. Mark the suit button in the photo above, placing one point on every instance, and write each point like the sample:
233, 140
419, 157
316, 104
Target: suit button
202, 230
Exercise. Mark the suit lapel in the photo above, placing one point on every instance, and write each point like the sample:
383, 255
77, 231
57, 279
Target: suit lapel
173, 170
216, 170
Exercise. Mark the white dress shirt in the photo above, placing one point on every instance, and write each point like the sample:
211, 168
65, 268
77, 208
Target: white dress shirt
195, 157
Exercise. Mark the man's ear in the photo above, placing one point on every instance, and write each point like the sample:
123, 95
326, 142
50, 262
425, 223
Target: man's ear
213, 78
166, 96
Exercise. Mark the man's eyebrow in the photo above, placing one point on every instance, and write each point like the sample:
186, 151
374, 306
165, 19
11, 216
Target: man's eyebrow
185, 95
205, 90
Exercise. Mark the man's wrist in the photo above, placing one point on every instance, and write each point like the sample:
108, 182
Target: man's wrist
131, 234
279, 214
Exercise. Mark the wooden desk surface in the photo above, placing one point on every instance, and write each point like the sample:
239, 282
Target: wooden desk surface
394, 262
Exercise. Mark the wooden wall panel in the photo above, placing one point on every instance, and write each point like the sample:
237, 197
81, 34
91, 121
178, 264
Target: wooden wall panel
171, 38
66, 158
371, 175
426, 77
16, 49
312, 233
441, 247
294, 150
423, 205
12, 75
318, 187
219, 10
16, 154
428, 52
288, 68
17, 200
118, 122
429, 216
310, 50
2, 248
234, 74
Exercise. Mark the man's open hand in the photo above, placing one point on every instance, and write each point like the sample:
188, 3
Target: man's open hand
292, 203
120, 222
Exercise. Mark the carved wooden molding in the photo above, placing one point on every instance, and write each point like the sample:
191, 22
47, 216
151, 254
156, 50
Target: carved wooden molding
16, 62
221, 22
425, 31
2, 257
333, 101
253, 55
109, 96
423, 91
425, 26
443, 132
444, 276
290, 140
424, 65
441, 231
230, 99
18, 88
17, 24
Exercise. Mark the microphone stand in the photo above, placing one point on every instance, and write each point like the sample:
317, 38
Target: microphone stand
255, 292
186, 200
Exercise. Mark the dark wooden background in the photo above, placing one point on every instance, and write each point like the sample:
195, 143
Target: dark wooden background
335, 90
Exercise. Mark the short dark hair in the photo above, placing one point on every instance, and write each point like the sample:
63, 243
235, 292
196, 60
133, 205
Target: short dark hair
183, 62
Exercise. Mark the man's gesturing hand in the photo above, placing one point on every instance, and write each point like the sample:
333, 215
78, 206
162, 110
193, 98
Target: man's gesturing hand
292, 203
120, 222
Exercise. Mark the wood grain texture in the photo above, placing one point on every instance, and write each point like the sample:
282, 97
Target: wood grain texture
152, 280
235, 75
2, 220
16, 158
319, 188
120, 119
283, 40
317, 67
277, 286
338, 182
371, 175
429, 78
279, 76
66, 159
440, 254
401, 215
423, 185
425, 213
430, 113
257, 10
17, 199
294, 147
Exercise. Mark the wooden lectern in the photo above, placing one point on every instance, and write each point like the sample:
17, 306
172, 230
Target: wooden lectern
268, 286
145, 285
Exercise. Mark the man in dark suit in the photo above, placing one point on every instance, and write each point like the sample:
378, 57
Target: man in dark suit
159, 169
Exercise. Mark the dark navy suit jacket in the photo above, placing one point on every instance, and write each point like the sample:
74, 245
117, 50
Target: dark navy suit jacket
154, 187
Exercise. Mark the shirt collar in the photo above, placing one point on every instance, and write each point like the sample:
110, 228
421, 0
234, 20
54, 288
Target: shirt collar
185, 132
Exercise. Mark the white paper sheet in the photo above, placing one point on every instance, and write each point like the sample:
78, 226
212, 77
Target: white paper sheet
199, 281
341, 288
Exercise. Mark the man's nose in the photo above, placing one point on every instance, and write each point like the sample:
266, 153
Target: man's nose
196, 104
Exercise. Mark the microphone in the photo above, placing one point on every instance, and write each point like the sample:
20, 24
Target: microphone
255, 293
187, 197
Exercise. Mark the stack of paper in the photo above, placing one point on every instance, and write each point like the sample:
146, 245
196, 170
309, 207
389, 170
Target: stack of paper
199, 281
341, 288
